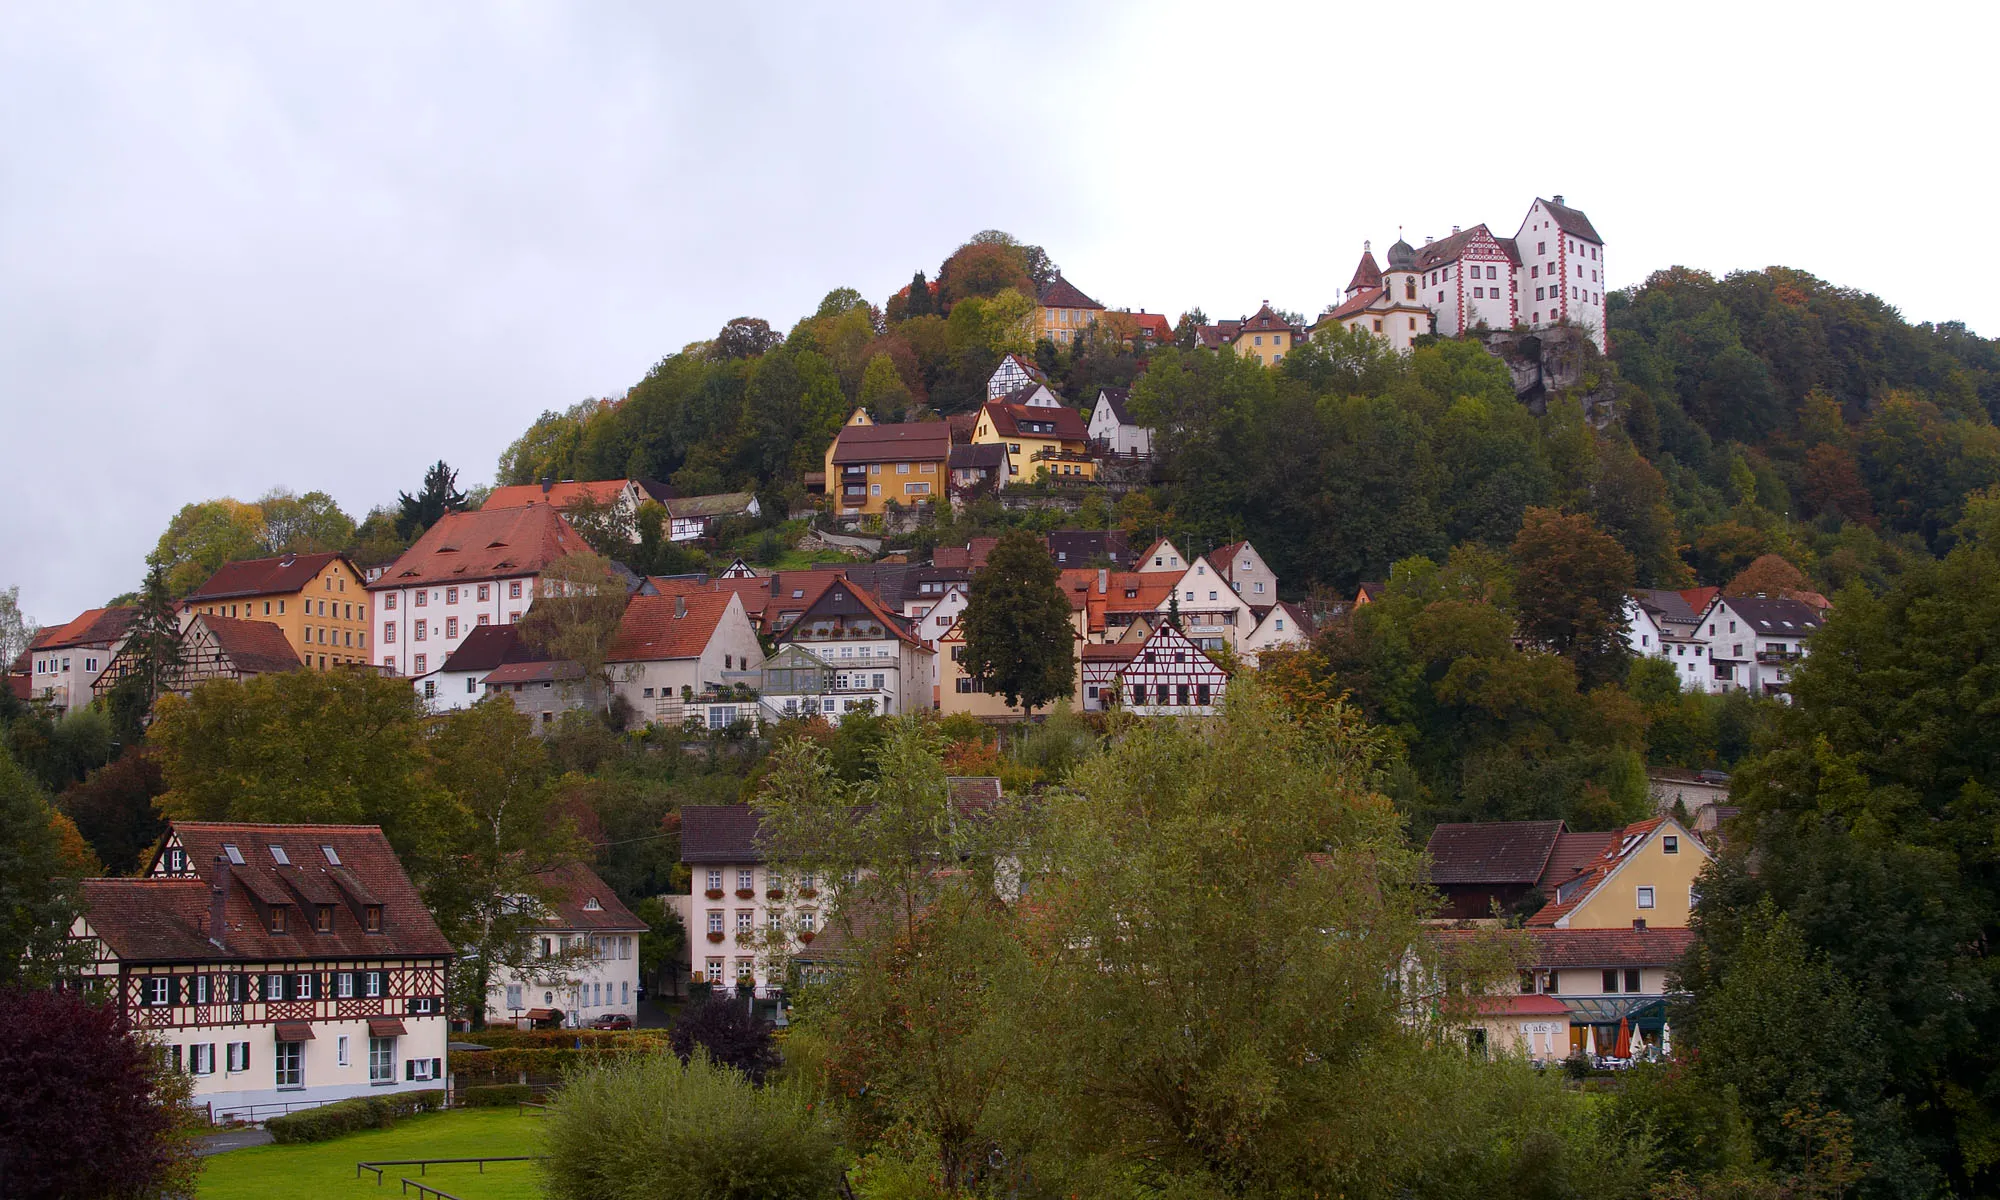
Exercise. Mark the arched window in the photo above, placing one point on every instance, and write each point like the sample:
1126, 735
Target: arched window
1409, 287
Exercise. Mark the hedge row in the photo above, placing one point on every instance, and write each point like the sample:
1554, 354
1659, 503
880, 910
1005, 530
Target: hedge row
495, 1095
350, 1116
556, 1039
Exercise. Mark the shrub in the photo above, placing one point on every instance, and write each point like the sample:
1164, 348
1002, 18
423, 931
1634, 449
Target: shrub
724, 1028
495, 1095
351, 1116
648, 1128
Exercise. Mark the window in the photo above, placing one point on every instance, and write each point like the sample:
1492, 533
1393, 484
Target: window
382, 1050
303, 986
746, 879
422, 631
1670, 844
278, 918
420, 1068
513, 995
514, 590
451, 627
483, 619
715, 920
373, 921
340, 1051
157, 991
389, 634
371, 984
324, 919
1611, 981
419, 665
902, 468
343, 985
423, 598
745, 920
291, 1065
201, 1059
1631, 979
714, 970
423, 1005
1645, 897
1549, 989
485, 591
451, 595
236, 1056
201, 985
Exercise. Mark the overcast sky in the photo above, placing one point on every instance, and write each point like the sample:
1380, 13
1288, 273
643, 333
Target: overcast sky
322, 246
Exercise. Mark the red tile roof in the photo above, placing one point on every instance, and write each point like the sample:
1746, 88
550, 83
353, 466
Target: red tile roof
1061, 293
1571, 949
1367, 274
1264, 320
1491, 851
1572, 222
1008, 418
287, 573
1572, 851
560, 496
1537, 1005
489, 544
159, 918
922, 441
95, 627
577, 887
252, 647
674, 625
1358, 303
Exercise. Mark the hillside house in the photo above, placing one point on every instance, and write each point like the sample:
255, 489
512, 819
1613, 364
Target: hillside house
319, 600
742, 917
619, 498
682, 645
1112, 429
280, 966
868, 465
65, 661
1063, 313
1171, 677
874, 655
582, 960
1045, 440
692, 518
1753, 642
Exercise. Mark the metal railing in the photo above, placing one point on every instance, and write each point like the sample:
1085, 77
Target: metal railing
252, 1114
423, 1165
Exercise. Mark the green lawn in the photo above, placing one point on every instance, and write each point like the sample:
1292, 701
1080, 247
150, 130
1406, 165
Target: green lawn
326, 1169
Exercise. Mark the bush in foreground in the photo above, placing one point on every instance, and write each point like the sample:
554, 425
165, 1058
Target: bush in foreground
495, 1095
648, 1128
352, 1116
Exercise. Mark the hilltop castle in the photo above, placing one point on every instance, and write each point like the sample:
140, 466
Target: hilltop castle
1550, 272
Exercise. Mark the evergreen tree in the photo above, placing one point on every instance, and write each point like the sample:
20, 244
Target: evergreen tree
919, 303
1017, 625
152, 652
438, 496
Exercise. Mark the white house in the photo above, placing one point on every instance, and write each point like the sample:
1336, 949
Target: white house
469, 569
1112, 426
867, 646
1754, 641
680, 645
1171, 677
743, 919
1211, 611
582, 960
1664, 623
65, 661
458, 681
1282, 627
279, 965
1013, 372
695, 517
1160, 556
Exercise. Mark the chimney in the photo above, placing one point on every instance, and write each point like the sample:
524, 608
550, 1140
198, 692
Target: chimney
1103, 580
548, 481
1454, 231
1427, 239
218, 900
1558, 198
680, 607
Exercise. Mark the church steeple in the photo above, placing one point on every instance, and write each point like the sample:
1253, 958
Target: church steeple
1366, 275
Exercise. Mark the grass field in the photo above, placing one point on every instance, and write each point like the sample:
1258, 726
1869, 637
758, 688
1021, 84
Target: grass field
326, 1169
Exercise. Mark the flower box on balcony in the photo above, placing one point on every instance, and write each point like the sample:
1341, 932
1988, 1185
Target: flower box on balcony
713, 893
806, 937
775, 894
746, 893
715, 935
807, 893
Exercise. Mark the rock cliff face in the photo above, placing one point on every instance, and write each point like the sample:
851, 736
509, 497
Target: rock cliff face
1550, 361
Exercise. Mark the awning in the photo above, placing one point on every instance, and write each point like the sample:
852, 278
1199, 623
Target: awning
542, 1014
1646, 1011
386, 1027
294, 1031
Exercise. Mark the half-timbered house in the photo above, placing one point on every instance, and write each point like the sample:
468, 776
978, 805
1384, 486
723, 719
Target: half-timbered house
281, 966
1171, 677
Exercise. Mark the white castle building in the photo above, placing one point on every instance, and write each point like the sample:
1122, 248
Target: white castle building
1550, 272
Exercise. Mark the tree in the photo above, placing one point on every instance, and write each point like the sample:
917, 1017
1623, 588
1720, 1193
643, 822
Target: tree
725, 1030
37, 887
746, 337
980, 269
438, 496
1018, 636
96, 1115
1768, 575
308, 524
606, 526
882, 390
114, 810
920, 302
500, 833
152, 653
579, 602
202, 537
645, 1127
17, 629
548, 449
1570, 583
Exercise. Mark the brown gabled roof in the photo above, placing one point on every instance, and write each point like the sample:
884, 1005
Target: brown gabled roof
721, 833
1367, 274
1572, 222
1008, 418
1571, 891
962, 425
487, 647
1574, 949
1448, 250
923, 441
1264, 320
487, 544
287, 573
841, 584
1117, 398
93, 627
158, 918
1491, 852
1359, 303
1150, 590
577, 888
1219, 334
559, 495
252, 647
1061, 293
988, 456
668, 626
1572, 852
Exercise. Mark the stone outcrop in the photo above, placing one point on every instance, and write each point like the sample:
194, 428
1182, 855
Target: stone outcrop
1553, 361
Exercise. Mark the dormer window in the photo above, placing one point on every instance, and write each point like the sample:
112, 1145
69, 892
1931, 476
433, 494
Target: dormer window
591, 905
278, 918
372, 919
332, 859
235, 855
278, 856
324, 920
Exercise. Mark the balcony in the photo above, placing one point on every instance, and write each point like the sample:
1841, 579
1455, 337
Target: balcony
1778, 658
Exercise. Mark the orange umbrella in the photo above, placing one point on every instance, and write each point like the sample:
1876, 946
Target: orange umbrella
1624, 1048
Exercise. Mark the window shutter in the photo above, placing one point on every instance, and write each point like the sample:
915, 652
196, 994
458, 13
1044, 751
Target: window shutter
437, 1068
246, 1056
409, 1068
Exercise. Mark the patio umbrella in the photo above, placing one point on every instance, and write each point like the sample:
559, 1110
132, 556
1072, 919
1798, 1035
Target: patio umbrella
1666, 1038
1624, 1047
1590, 1040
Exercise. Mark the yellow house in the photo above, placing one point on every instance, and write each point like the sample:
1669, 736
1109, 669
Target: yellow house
959, 693
319, 600
1266, 337
1042, 436
869, 465
1062, 312
1643, 879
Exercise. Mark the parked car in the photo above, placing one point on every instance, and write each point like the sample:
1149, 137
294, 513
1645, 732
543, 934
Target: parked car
612, 1021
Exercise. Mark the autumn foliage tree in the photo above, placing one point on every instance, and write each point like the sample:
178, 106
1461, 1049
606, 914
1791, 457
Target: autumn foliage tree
1570, 584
